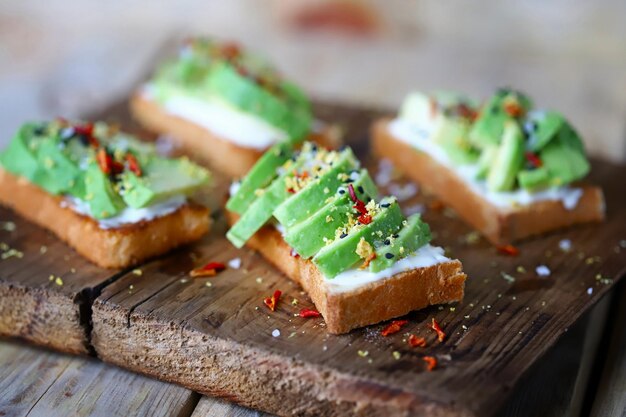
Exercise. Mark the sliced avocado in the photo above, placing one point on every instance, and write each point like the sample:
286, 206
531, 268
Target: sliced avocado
509, 160
162, 178
314, 195
261, 174
489, 126
541, 127
19, 157
533, 178
308, 236
57, 173
281, 109
451, 133
486, 161
103, 200
564, 163
341, 254
413, 235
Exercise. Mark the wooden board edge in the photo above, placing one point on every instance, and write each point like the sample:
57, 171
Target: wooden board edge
242, 373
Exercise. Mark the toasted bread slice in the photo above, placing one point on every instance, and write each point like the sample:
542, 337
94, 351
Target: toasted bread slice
366, 304
109, 248
499, 225
204, 145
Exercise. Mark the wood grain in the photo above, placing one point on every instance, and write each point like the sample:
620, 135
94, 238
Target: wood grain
211, 407
218, 339
46, 288
35, 382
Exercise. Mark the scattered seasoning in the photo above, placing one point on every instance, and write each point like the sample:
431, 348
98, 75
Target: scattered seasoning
58, 281
368, 260
8, 226
508, 250
512, 108
415, 341
365, 217
440, 333
43, 249
542, 271
362, 353
11, 253
294, 254
507, 277
589, 290
565, 245
138, 272
272, 301
431, 362
234, 263
520, 269
208, 284
307, 313
259, 280
209, 270
393, 327
534, 160
294, 302
275, 333
396, 354
133, 164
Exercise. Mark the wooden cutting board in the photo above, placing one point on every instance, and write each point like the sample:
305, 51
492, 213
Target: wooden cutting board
214, 335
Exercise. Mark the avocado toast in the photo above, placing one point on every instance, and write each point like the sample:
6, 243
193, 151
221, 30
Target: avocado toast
316, 215
108, 195
225, 106
510, 170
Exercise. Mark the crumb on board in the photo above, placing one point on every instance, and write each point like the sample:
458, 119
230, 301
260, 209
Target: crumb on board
137, 272
565, 245
543, 271
275, 333
8, 226
234, 263
362, 353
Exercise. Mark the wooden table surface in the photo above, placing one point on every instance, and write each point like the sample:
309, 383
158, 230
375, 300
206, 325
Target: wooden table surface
584, 374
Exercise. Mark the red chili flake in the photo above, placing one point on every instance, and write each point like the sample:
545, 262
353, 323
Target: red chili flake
415, 341
291, 191
87, 131
105, 161
393, 327
440, 333
307, 313
365, 219
209, 270
367, 261
294, 254
271, 302
431, 362
352, 193
513, 108
230, 50
533, 158
466, 112
508, 250
133, 164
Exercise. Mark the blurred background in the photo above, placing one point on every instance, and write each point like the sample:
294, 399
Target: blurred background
71, 57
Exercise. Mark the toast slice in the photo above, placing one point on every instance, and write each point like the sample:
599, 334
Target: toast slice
499, 225
119, 247
204, 145
371, 303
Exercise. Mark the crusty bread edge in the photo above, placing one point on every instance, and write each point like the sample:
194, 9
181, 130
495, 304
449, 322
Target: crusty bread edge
109, 248
498, 225
368, 304
204, 145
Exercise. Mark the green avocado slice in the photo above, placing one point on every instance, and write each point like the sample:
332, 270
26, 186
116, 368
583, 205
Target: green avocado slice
20, 157
486, 161
340, 255
413, 235
541, 127
313, 196
261, 174
162, 178
57, 173
103, 200
509, 160
565, 163
532, 179
308, 236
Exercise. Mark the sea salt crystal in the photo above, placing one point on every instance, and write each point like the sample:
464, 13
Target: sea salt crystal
589, 290
542, 271
235, 263
275, 332
565, 245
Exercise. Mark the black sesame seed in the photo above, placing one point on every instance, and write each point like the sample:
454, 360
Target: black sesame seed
361, 190
396, 236
387, 242
349, 180
342, 191
389, 255
385, 205
343, 235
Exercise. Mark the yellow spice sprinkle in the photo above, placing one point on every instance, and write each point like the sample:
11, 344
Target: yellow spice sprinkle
58, 281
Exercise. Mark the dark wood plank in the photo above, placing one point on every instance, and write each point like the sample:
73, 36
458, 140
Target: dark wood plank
218, 340
46, 288
610, 399
36, 382
212, 407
